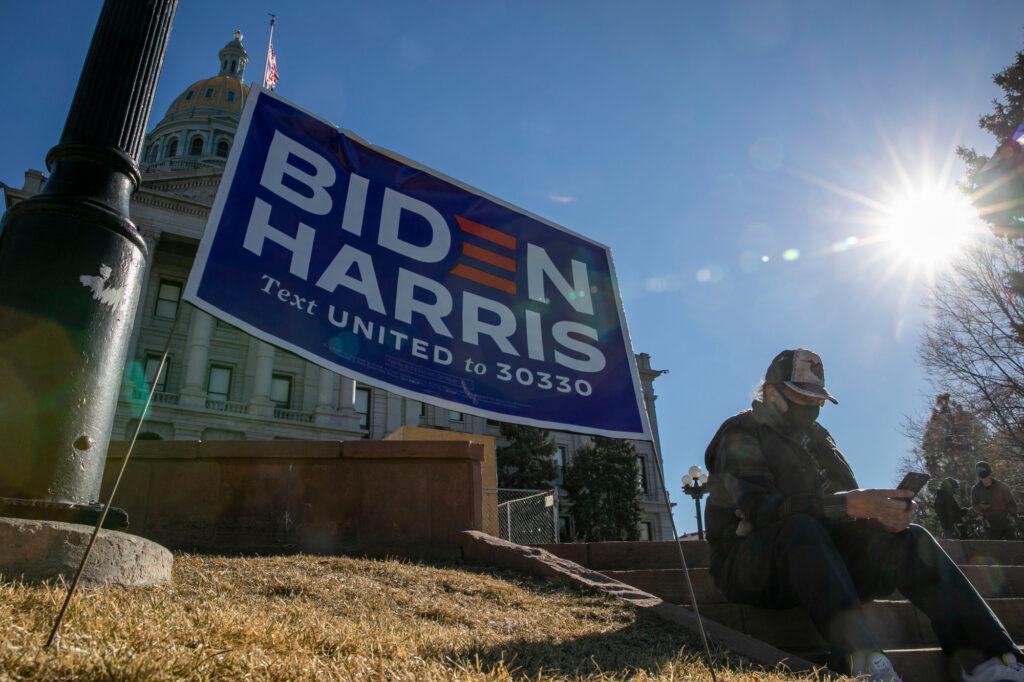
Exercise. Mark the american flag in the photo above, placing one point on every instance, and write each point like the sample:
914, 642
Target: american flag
272, 76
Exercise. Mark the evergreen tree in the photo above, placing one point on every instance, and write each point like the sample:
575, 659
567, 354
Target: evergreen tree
527, 461
1001, 123
603, 482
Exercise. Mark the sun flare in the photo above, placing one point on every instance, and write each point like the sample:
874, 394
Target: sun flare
928, 228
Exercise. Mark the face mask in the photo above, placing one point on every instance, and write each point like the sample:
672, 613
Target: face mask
798, 418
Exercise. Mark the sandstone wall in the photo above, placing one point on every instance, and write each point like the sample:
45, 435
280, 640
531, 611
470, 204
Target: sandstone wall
408, 498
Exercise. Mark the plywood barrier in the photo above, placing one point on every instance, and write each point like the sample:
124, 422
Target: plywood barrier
488, 470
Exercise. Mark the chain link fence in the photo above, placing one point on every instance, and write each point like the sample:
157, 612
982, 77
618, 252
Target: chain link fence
526, 517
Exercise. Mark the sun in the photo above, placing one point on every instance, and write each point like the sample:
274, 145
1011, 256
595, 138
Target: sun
928, 227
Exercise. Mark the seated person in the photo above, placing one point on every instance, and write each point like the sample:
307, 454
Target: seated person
788, 526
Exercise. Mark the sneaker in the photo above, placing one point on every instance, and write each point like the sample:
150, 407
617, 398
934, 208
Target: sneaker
1005, 668
874, 666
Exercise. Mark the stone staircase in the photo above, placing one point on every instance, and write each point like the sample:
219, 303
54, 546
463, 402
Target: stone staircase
996, 568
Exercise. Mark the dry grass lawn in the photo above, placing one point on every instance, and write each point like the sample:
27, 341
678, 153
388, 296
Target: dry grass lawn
330, 618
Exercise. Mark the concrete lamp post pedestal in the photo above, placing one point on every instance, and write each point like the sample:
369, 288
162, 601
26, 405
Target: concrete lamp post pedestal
39, 551
71, 262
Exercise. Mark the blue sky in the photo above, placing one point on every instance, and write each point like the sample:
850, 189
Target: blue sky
693, 139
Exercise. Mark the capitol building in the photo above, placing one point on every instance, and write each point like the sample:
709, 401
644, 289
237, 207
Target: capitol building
222, 384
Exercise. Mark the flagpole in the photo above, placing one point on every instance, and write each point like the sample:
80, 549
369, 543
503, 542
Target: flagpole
270, 46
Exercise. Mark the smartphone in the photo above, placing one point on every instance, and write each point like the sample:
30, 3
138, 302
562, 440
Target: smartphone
913, 481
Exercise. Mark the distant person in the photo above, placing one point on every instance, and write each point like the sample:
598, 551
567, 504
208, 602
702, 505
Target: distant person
788, 526
994, 501
947, 508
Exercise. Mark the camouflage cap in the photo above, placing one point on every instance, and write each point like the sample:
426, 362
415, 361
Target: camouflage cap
800, 370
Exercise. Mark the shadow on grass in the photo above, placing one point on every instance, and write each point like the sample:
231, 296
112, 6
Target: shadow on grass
649, 644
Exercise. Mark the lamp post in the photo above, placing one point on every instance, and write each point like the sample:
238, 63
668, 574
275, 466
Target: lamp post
695, 484
70, 273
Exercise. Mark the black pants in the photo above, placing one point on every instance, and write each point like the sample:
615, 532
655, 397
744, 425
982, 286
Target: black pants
830, 570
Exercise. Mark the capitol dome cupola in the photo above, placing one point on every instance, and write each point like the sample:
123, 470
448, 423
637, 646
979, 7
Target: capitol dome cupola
233, 58
197, 130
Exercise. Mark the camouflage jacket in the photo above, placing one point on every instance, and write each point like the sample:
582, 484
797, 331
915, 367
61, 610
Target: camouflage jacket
759, 475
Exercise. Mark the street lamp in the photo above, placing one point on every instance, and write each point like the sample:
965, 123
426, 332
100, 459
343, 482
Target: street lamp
695, 484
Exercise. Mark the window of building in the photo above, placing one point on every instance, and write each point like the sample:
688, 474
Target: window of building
455, 416
281, 390
234, 64
149, 435
218, 385
564, 528
494, 422
167, 298
641, 473
153, 151
363, 407
560, 453
423, 409
646, 531
172, 148
197, 147
209, 93
188, 95
231, 95
152, 365
222, 149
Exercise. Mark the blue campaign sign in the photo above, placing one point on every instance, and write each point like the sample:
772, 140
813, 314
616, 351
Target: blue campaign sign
394, 275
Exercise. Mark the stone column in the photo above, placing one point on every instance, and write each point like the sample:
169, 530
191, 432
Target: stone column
412, 412
326, 390
329, 410
394, 413
197, 357
151, 237
347, 402
260, 403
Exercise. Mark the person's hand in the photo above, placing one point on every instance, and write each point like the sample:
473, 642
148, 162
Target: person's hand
891, 508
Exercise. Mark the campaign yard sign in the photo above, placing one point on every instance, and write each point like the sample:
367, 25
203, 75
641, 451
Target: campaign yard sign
394, 275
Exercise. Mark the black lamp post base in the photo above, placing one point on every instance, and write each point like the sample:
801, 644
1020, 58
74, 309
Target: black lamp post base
68, 512
71, 264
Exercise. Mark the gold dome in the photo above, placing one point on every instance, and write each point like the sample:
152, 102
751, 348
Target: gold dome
220, 92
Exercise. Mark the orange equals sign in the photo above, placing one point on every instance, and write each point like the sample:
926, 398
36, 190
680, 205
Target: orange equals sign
483, 255
489, 257
489, 233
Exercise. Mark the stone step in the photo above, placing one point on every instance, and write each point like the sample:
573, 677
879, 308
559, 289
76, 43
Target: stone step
920, 665
623, 556
925, 664
996, 581
986, 552
669, 584
896, 624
